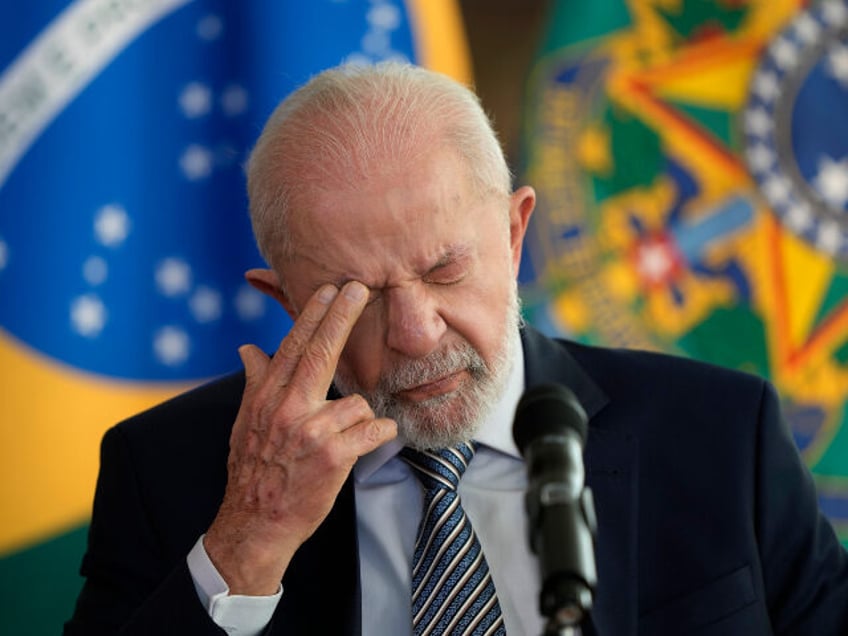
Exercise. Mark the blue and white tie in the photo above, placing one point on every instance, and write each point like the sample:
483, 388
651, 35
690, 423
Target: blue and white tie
452, 588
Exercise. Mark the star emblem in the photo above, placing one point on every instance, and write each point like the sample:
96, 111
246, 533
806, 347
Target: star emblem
831, 182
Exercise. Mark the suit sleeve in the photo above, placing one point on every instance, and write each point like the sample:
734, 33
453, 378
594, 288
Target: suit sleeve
805, 567
132, 585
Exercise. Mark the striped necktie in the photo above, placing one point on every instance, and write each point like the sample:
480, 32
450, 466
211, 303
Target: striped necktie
452, 589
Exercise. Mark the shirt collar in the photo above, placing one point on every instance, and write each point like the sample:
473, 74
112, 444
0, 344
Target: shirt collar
495, 433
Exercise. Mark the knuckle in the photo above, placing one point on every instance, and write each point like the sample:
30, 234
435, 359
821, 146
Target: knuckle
373, 431
293, 343
379, 430
359, 406
333, 328
339, 313
333, 457
319, 447
311, 433
318, 351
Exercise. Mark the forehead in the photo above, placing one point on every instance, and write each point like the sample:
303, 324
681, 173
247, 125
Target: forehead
392, 224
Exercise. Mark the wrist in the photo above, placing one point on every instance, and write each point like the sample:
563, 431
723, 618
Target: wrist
249, 567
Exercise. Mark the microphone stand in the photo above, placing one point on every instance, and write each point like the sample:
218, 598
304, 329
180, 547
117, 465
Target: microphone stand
563, 537
550, 429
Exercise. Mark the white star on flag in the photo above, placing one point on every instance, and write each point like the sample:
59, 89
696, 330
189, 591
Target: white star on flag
835, 12
758, 123
761, 157
195, 100
831, 182
196, 162
210, 28
785, 53
837, 63
250, 304
95, 270
767, 86
171, 345
777, 189
205, 304
234, 100
111, 225
799, 217
384, 16
806, 28
829, 238
88, 315
173, 277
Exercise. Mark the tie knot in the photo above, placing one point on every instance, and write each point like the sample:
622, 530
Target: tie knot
441, 468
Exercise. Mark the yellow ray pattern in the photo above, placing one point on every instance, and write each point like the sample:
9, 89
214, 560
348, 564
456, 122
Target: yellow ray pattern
807, 274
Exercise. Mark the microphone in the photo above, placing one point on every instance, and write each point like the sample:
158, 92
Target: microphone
550, 430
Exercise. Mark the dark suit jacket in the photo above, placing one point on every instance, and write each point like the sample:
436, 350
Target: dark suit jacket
708, 521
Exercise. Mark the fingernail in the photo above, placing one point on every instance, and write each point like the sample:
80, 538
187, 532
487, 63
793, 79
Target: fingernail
355, 290
327, 293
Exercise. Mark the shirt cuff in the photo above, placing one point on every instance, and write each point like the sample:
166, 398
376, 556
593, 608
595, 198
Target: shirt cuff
237, 615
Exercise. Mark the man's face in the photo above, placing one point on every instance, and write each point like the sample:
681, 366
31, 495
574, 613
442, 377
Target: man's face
432, 348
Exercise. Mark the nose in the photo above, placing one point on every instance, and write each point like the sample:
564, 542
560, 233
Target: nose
414, 325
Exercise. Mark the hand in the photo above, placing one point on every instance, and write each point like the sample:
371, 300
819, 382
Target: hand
291, 449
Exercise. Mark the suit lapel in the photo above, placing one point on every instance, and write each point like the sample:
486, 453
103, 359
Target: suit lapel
322, 593
611, 473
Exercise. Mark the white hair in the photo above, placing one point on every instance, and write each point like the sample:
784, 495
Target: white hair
354, 121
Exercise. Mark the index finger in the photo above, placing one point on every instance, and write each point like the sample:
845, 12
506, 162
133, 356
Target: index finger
316, 367
294, 343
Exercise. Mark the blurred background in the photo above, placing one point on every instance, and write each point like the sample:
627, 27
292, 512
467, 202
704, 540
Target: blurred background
690, 157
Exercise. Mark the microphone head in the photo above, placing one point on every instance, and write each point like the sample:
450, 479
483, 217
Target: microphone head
548, 409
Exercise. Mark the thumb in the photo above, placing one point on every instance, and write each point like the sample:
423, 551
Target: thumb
255, 361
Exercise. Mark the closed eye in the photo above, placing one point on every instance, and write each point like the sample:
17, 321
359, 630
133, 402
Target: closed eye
447, 273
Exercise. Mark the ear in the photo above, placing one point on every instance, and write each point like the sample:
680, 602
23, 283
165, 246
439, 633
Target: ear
267, 281
522, 202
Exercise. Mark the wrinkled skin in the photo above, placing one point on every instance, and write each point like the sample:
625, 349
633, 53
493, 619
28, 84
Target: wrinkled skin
410, 263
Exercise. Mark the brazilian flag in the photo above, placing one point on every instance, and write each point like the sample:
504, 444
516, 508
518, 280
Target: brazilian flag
124, 231
691, 161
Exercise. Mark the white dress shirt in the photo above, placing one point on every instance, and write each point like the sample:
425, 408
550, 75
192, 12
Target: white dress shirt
389, 505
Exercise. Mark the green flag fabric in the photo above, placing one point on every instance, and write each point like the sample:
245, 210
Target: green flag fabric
691, 163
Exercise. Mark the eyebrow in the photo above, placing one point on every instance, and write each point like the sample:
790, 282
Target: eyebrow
452, 254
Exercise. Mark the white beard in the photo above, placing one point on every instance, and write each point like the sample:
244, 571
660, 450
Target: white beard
444, 420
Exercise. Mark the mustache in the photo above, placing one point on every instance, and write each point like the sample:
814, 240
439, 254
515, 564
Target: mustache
411, 373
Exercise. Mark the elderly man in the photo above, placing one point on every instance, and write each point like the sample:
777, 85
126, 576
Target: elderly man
294, 498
